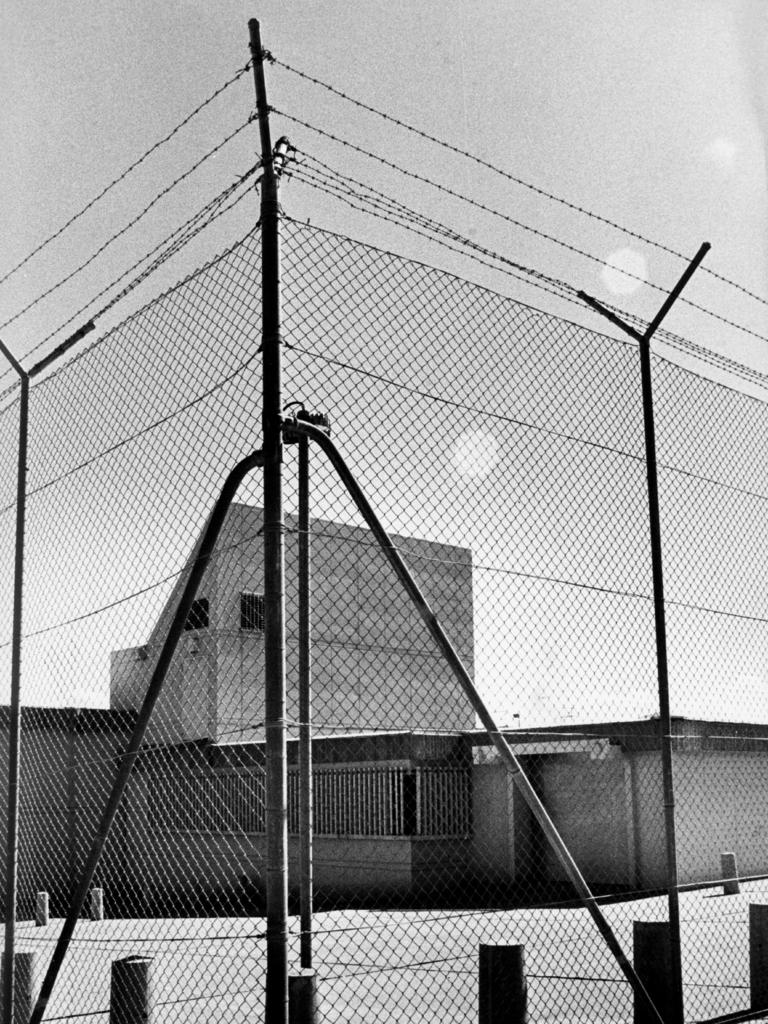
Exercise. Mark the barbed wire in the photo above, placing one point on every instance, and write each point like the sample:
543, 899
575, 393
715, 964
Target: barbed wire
561, 289
530, 277
451, 192
174, 242
406, 217
124, 174
138, 312
505, 174
134, 220
516, 223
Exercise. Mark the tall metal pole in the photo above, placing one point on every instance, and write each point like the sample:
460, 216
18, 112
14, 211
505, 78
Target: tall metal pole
654, 516
305, 707
276, 1004
14, 737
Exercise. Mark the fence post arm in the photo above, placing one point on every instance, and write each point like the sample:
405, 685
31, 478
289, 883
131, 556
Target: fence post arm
14, 725
654, 519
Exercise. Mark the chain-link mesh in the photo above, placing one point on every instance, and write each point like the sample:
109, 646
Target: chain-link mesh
503, 449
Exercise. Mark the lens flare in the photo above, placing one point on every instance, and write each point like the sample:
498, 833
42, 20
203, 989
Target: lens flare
722, 153
624, 272
475, 453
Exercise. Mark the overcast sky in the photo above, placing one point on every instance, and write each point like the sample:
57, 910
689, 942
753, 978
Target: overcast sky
651, 113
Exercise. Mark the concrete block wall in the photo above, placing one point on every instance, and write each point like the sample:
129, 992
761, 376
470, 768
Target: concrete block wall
374, 665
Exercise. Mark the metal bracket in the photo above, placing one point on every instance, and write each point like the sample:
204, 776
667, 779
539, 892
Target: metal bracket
321, 420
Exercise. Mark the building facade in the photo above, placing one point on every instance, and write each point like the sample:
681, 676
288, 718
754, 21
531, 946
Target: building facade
374, 665
411, 818
411, 803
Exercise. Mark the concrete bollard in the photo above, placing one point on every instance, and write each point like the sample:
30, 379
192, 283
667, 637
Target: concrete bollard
652, 954
130, 995
96, 905
302, 998
730, 872
503, 986
758, 956
25, 985
41, 910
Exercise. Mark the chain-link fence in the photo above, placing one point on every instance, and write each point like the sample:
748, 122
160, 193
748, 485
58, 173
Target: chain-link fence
502, 448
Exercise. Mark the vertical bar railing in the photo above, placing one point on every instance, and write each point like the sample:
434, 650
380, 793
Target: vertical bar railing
654, 517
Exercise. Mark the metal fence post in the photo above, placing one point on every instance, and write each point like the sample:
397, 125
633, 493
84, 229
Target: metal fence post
305, 707
502, 985
276, 996
25, 973
14, 727
654, 518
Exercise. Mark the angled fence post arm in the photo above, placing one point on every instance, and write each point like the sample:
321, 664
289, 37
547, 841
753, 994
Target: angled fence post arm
14, 725
128, 757
654, 518
456, 665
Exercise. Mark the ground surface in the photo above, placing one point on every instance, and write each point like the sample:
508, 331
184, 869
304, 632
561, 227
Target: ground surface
422, 966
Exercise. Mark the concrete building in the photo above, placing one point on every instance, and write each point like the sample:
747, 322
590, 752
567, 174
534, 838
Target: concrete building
413, 818
411, 803
373, 663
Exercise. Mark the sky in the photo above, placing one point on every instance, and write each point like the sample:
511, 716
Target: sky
651, 116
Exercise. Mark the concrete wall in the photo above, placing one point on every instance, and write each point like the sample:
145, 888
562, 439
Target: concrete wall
374, 664
583, 786
493, 832
605, 800
721, 804
587, 800
67, 765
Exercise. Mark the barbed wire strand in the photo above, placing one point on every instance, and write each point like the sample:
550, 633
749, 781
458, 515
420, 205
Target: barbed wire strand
131, 223
510, 177
512, 220
448, 191
544, 281
568, 293
174, 243
124, 174
328, 177
554, 286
